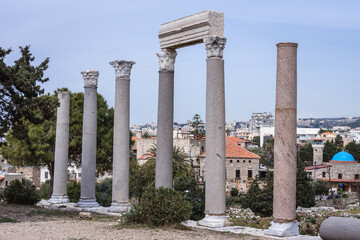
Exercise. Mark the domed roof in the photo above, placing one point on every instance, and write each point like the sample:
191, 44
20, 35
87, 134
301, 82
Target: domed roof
343, 156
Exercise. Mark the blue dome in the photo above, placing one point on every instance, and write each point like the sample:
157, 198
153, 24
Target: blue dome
343, 156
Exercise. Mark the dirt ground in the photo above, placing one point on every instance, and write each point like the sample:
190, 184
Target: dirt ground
30, 223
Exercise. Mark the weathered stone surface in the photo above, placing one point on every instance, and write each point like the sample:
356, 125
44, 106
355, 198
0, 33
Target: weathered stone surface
164, 141
338, 228
167, 60
191, 30
85, 215
121, 148
214, 46
285, 142
88, 155
59, 194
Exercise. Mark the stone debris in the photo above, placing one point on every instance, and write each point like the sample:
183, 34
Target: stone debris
85, 215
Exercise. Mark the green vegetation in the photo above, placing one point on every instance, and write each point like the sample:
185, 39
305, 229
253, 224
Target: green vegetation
305, 154
305, 196
7, 220
320, 187
159, 207
104, 192
19, 91
197, 124
354, 149
73, 191
21, 192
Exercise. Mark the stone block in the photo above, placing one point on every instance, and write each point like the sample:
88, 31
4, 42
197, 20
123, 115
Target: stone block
85, 215
191, 30
340, 228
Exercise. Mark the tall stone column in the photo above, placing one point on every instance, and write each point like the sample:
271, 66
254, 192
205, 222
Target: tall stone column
59, 194
284, 205
121, 145
164, 142
88, 159
215, 208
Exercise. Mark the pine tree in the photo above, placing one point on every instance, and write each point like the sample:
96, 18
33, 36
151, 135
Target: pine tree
305, 196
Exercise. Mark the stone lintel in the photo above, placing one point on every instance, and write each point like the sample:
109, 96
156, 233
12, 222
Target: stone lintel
191, 30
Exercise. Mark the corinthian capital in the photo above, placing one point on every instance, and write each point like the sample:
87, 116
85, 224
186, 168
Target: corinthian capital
122, 68
214, 46
167, 59
90, 78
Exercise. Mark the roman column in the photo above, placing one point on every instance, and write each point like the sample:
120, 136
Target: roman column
164, 142
215, 208
88, 158
59, 194
284, 205
121, 145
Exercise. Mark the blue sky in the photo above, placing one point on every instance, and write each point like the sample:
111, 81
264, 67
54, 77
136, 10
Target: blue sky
81, 35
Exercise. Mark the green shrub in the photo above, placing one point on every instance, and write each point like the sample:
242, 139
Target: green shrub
21, 192
232, 201
44, 190
158, 207
104, 192
73, 191
320, 187
194, 194
234, 192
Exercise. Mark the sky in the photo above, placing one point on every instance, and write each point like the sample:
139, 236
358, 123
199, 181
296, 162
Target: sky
86, 35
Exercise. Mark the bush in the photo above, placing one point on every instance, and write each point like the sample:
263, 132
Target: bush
320, 187
234, 192
104, 192
44, 190
259, 200
73, 191
231, 201
159, 207
194, 194
21, 192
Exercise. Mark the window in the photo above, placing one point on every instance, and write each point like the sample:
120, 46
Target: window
339, 176
243, 161
237, 174
230, 161
79, 174
249, 161
357, 176
324, 174
46, 175
6, 183
237, 160
250, 174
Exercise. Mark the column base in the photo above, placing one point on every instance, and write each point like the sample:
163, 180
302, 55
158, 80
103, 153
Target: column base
213, 221
58, 199
87, 203
123, 207
283, 229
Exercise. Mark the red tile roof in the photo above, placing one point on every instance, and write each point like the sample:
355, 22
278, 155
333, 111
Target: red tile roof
146, 156
341, 180
233, 150
328, 133
317, 167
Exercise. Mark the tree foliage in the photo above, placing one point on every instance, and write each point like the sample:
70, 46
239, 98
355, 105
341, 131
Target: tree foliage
321, 187
354, 149
197, 124
260, 201
306, 154
19, 91
21, 192
330, 149
305, 196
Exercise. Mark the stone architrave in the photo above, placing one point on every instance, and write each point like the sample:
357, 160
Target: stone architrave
88, 159
215, 189
191, 30
284, 206
121, 146
59, 194
164, 141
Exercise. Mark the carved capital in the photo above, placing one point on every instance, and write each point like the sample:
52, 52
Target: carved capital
167, 59
122, 68
214, 46
90, 78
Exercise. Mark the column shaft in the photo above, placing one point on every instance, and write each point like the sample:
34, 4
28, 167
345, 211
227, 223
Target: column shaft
88, 159
164, 144
59, 194
285, 134
121, 147
215, 138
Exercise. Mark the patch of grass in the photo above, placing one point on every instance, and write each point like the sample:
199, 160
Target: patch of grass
355, 210
104, 218
7, 220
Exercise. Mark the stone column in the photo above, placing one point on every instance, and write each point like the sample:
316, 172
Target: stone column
215, 208
59, 194
284, 205
164, 142
88, 158
121, 145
